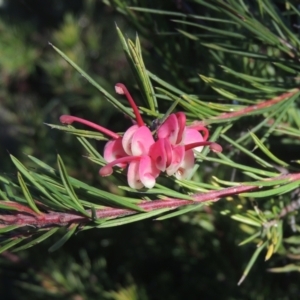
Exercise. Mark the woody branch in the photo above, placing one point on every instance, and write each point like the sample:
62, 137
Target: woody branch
25, 216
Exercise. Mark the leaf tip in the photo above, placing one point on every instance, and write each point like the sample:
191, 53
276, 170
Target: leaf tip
241, 280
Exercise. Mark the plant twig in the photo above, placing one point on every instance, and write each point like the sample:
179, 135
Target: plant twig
24, 218
256, 107
248, 109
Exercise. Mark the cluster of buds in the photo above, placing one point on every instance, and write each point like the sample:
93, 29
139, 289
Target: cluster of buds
170, 148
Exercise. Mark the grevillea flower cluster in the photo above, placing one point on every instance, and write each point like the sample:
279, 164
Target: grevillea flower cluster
170, 149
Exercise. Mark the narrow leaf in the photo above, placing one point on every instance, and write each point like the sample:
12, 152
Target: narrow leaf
251, 262
64, 239
27, 194
37, 240
68, 186
135, 218
109, 97
8, 228
10, 244
246, 220
250, 238
25, 172
179, 212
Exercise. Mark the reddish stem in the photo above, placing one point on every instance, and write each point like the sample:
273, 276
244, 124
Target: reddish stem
64, 219
243, 112
67, 119
121, 89
261, 105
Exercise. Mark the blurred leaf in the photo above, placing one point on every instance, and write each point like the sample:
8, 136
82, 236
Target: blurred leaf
64, 239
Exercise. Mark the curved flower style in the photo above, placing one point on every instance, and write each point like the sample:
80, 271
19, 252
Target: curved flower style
171, 150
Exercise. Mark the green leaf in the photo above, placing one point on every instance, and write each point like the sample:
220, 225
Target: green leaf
42, 164
285, 68
134, 218
225, 161
135, 60
285, 269
64, 239
162, 191
25, 172
249, 153
90, 149
141, 69
10, 244
180, 212
165, 84
246, 220
78, 132
267, 151
109, 97
187, 34
224, 33
36, 241
251, 262
157, 11
250, 238
27, 194
294, 239
8, 228
275, 191
267, 182
68, 186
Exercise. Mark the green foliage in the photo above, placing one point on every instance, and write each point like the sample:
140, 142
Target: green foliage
246, 54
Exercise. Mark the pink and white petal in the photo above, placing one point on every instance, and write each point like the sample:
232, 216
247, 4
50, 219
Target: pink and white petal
186, 167
127, 138
133, 177
177, 158
181, 119
113, 150
147, 172
161, 154
141, 141
169, 129
193, 136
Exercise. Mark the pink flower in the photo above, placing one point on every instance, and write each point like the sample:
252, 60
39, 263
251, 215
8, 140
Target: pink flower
113, 150
142, 171
170, 150
132, 149
173, 150
137, 140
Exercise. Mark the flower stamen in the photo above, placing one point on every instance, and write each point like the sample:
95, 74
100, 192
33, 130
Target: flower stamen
200, 127
122, 90
108, 170
213, 146
67, 119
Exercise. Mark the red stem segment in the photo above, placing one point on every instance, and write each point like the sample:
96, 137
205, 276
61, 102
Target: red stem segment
248, 109
23, 218
261, 105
